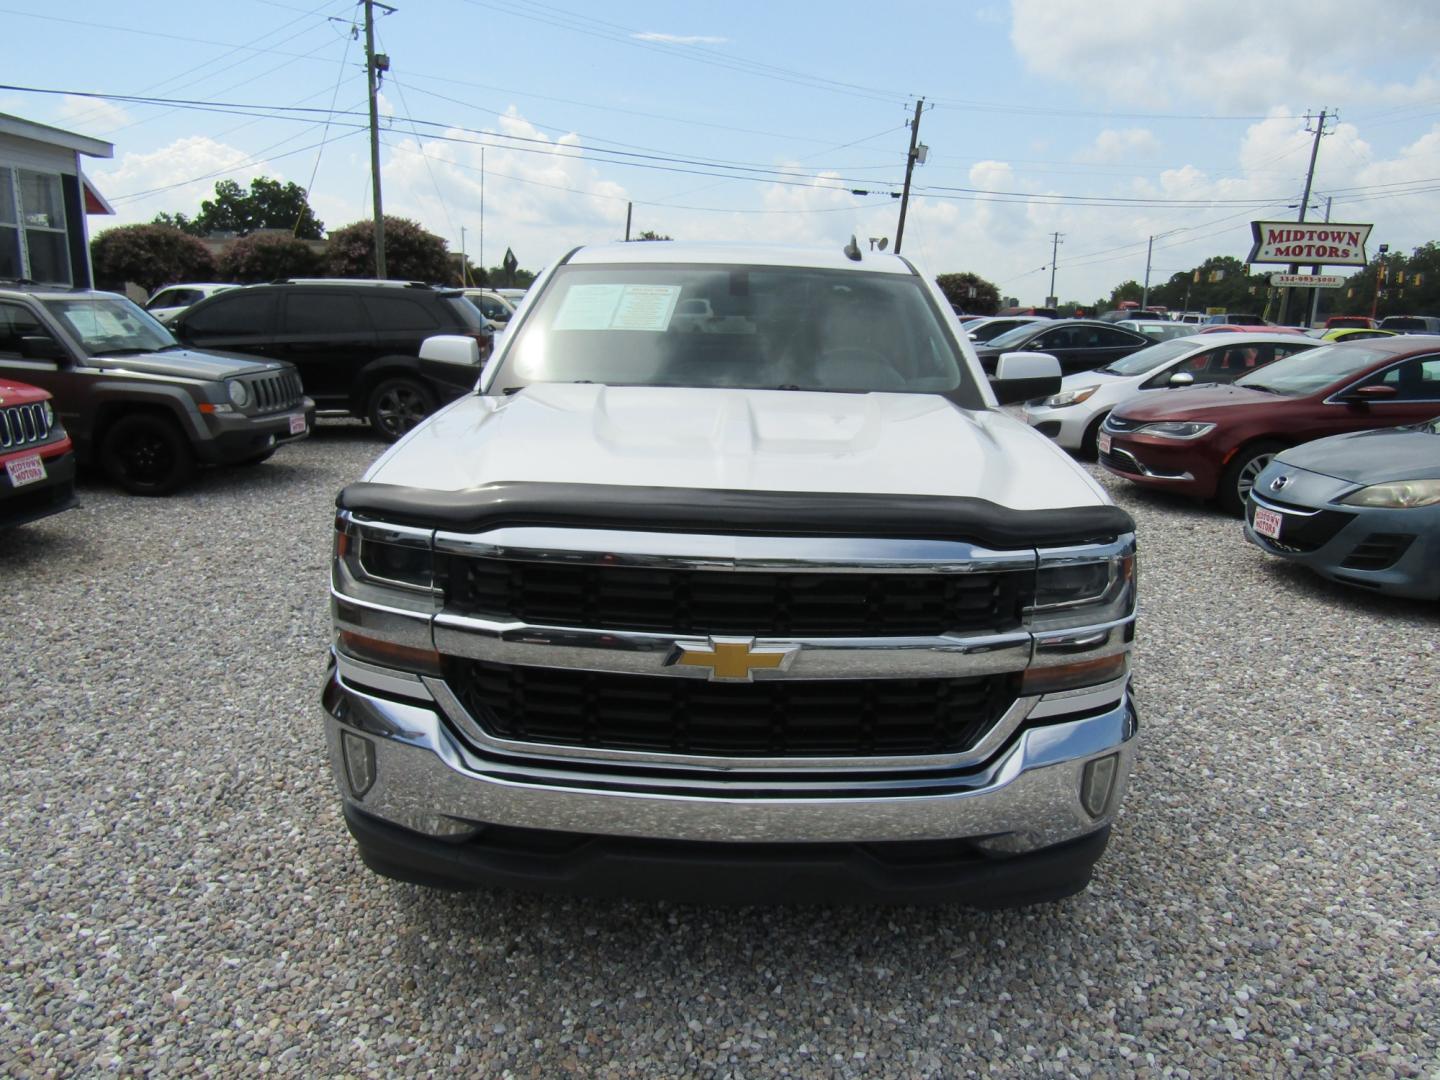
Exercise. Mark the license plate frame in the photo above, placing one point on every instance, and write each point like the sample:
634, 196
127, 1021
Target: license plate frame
29, 469
298, 425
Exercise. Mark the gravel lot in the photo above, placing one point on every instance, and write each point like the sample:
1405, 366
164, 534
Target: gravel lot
179, 895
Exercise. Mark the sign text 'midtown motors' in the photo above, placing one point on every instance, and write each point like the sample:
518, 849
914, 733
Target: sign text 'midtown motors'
1328, 243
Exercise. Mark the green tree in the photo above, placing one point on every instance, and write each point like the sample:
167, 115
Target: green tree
650, 234
176, 221
1126, 290
268, 257
268, 204
411, 253
497, 277
970, 292
150, 256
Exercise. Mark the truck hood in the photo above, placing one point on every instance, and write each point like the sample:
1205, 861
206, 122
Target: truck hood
185, 364
757, 440
1370, 457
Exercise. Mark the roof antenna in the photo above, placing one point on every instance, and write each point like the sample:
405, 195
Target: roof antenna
852, 250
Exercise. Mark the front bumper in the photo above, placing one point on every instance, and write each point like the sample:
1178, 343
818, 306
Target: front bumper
235, 437
1065, 425
1182, 465
42, 498
425, 806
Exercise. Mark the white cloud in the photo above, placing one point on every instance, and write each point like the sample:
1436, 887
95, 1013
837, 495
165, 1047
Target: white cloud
680, 39
142, 185
1228, 54
88, 115
1119, 147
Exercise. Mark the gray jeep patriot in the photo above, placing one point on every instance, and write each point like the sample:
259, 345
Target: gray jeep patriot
138, 404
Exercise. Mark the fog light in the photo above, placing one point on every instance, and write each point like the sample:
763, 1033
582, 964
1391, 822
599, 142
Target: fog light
359, 757
1097, 782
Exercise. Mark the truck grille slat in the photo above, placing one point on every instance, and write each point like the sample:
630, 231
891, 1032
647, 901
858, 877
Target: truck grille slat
860, 718
760, 604
23, 425
275, 391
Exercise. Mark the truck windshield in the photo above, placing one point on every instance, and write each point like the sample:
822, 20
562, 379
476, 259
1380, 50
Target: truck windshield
753, 327
110, 324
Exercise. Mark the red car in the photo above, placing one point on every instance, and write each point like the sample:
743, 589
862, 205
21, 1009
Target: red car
38, 462
1212, 442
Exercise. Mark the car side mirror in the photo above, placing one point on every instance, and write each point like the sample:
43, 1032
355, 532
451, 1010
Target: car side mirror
1020, 376
1182, 378
1362, 395
41, 347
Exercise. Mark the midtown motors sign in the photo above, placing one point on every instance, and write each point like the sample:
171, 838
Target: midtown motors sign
1330, 244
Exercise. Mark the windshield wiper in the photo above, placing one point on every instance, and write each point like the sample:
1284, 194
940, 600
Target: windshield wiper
1261, 387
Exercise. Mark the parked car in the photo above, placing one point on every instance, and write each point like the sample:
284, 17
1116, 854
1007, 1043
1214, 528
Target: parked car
355, 343
492, 305
1411, 324
138, 404
1073, 416
1246, 328
1155, 329
1079, 344
173, 299
621, 608
983, 330
1361, 509
1134, 314
39, 458
1044, 312
1213, 442
1349, 334
1234, 318
1189, 317
1349, 322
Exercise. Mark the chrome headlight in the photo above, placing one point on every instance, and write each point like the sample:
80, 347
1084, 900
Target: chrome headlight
1397, 495
389, 556
1175, 429
1069, 397
239, 393
1084, 585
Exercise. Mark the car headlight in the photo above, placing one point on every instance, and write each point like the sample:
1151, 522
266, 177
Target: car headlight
1069, 397
49, 413
1175, 429
239, 393
385, 555
1397, 495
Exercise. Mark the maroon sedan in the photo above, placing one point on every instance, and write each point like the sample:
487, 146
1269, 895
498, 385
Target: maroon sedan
1212, 442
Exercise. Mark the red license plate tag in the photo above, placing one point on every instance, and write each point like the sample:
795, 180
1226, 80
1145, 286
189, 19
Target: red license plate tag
1267, 523
25, 470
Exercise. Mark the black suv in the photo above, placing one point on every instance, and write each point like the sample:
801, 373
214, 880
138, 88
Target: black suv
136, 402
356, 343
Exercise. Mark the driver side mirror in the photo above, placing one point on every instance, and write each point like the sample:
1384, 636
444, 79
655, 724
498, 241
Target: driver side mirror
1363, 395
1182, 378
1020, 376
41, 347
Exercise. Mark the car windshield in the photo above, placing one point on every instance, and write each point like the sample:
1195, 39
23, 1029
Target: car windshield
110, 324
1151, 357
1312, 370
754, 327
1015, 336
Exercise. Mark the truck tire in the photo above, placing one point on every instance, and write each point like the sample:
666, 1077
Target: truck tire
147, 454
397, 405
1248, 463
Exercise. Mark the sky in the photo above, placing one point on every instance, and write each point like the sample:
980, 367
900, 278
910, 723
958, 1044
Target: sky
535, 126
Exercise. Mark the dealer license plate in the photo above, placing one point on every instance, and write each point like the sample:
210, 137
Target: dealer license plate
1103, 442
297, 424
1267, 523
25, 470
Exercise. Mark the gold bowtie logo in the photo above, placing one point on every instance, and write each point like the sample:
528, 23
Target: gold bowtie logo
733, 659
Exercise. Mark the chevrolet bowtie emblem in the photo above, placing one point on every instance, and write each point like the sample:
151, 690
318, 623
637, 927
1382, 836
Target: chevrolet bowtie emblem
732, 659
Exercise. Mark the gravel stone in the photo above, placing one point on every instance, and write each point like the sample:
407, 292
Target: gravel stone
178, 894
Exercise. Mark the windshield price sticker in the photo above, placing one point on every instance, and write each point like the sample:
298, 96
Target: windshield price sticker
618, 307
1267, 523
25, 470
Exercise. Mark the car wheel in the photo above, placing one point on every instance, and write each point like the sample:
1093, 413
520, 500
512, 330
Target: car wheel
1089, 448
1240, 476
147, 455
397, 405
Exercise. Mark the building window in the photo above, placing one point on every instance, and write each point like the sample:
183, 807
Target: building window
33, 240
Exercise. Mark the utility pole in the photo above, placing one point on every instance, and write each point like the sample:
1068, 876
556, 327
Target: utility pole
1315, 299
1054, 249
629, 207
1144, 296
464, 262
374, 67
909, 169
1305, 199
481, 256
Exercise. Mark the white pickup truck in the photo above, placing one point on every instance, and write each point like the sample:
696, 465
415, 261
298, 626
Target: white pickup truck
780, 607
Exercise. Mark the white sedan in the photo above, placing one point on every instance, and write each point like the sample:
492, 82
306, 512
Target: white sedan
1072, 417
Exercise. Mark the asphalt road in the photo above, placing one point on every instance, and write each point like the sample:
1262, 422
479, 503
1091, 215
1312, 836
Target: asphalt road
178, 893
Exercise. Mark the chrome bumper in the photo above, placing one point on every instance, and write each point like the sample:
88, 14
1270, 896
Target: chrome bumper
406, 767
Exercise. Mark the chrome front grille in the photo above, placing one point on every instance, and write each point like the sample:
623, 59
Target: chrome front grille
276, 391
23, 425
